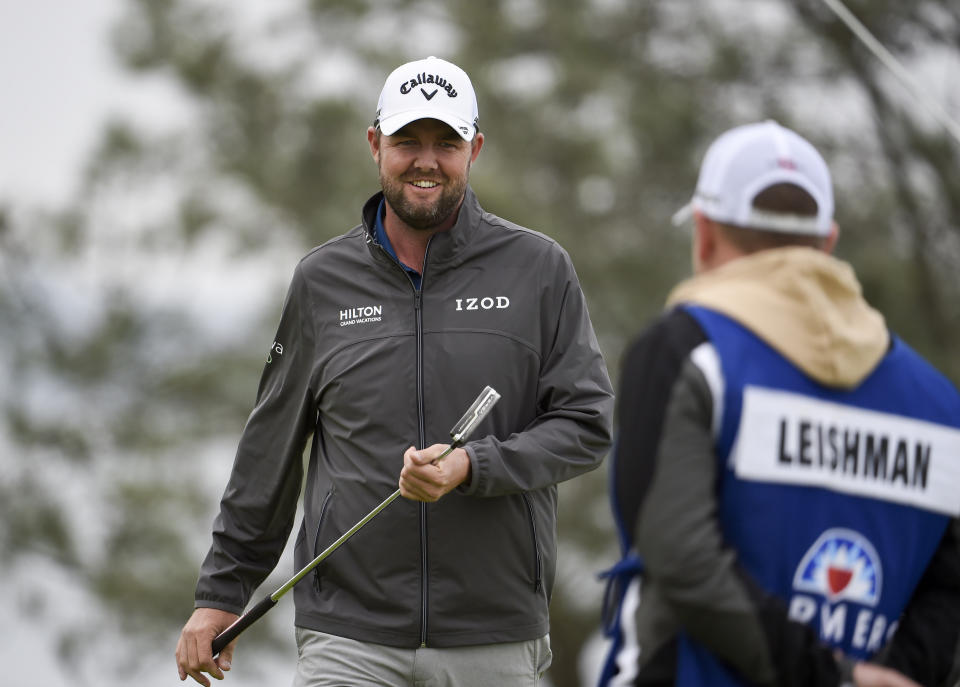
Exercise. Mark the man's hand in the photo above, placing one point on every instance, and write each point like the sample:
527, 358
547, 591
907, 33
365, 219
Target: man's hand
872, 675
425, 479
194, 652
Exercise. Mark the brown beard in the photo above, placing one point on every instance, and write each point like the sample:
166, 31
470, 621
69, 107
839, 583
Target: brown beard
419, 216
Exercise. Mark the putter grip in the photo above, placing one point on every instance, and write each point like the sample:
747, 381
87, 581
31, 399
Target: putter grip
241, 624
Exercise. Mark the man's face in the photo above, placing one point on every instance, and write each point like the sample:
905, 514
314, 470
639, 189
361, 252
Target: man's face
424, 168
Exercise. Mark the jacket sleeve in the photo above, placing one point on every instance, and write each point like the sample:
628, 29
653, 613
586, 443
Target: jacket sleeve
258, 507
689, 569
926, 645
572, 430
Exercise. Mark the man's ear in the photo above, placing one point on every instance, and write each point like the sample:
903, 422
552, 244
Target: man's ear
830, 242
475, 145
704, 241
373, 138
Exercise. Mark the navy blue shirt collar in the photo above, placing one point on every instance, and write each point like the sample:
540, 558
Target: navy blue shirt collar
383, 240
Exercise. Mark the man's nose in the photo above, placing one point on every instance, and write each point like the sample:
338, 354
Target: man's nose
426, 158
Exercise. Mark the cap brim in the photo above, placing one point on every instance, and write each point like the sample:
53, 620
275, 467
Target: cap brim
393, 123
683, 215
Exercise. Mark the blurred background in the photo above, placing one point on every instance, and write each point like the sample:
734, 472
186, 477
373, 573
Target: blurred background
165, 163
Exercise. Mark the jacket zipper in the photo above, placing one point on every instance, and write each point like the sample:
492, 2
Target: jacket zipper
424, 581
417, 306
537, 561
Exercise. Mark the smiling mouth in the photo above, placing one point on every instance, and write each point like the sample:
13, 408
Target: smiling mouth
423, 183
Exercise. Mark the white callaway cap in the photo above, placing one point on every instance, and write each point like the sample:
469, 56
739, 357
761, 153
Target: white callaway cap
428, 89
749, 159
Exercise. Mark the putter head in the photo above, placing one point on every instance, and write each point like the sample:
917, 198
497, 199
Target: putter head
474, 415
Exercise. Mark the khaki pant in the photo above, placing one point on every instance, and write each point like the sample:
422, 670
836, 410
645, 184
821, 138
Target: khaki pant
331, 661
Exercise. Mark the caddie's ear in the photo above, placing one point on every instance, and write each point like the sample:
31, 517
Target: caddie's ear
704, 242
830, 242
373, 138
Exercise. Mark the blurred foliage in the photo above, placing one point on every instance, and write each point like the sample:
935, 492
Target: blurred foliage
596, 114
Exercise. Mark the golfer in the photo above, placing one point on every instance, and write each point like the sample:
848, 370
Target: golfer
787, 470
388, 332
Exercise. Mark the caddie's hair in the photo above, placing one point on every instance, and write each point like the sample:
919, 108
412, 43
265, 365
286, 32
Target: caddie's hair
787, 199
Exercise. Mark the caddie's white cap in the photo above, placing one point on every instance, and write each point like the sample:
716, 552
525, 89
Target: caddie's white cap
428, 89
749, 159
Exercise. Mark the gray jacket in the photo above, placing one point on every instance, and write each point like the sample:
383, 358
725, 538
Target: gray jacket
369, 366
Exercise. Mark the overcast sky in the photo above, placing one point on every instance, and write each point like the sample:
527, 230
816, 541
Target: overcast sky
60, 82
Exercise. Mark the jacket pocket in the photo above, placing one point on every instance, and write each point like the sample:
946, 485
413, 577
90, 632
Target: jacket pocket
537, 560
316, 540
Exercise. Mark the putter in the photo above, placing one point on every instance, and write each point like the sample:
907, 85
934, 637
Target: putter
479, 410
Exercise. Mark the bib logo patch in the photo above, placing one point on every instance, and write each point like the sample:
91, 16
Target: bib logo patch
842, 565
836, 590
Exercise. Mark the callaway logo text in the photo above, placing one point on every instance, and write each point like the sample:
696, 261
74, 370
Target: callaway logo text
425, 79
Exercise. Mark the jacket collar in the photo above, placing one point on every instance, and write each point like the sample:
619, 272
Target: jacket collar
445, 246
